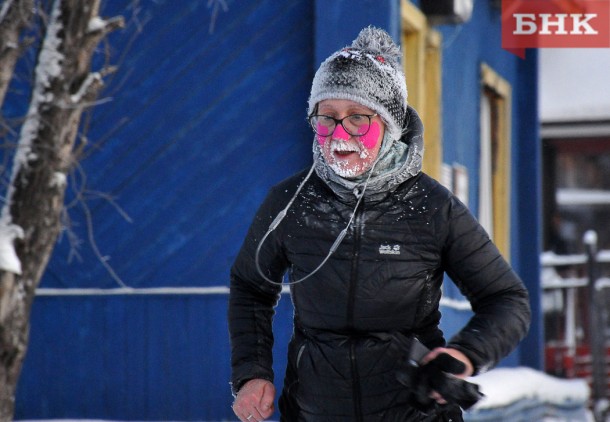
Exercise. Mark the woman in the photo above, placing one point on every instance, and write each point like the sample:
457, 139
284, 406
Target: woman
366, 238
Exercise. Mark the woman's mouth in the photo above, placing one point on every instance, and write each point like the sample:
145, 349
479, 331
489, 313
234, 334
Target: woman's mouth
342, 149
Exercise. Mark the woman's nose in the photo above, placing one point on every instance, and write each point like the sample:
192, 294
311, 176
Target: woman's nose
340, 133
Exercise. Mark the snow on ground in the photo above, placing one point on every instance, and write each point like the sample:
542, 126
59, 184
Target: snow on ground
505, 386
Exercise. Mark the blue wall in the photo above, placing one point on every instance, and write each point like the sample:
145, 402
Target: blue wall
199, 127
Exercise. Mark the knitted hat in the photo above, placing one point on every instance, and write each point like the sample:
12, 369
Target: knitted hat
369, 73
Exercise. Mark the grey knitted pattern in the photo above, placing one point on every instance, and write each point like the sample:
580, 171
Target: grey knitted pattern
368, 72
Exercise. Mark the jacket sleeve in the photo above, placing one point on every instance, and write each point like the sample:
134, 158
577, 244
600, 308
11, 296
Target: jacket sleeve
498, 297
252, 300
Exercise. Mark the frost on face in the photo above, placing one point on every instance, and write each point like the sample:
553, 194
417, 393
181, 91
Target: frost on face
345, 170
348, 169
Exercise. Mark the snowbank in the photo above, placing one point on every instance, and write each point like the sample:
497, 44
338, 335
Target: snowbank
524, 394
504, 386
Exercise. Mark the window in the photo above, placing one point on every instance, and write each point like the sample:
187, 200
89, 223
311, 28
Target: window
494, 170
422, 66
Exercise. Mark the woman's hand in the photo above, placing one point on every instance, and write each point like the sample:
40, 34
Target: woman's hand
254, 401
457, 355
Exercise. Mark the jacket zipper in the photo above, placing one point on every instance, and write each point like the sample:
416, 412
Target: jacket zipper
354, 270
350, 313
355, 382
426, 300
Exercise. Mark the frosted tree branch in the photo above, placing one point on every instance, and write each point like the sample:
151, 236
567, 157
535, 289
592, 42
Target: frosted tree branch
216, 5
102, 259
5, 8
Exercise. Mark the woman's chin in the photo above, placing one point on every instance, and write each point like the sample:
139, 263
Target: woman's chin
346, 168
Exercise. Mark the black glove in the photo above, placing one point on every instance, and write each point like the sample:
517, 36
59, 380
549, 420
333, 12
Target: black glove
436, 376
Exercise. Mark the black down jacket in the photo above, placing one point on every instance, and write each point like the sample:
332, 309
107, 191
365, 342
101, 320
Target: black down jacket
354, 318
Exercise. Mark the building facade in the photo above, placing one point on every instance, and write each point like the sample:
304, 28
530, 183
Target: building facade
205, 114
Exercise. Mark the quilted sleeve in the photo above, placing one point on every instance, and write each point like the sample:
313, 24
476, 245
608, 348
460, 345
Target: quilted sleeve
252, 299
497, 295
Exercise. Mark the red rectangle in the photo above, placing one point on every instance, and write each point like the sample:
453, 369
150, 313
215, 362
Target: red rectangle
555, 24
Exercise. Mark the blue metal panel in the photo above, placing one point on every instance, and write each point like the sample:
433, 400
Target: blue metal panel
198, 115
133, 358
199, 127
339, 22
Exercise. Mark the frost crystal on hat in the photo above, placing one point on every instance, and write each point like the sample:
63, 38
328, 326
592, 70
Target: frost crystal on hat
368, 72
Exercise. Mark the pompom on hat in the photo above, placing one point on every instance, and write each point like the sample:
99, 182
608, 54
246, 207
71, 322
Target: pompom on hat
367, 72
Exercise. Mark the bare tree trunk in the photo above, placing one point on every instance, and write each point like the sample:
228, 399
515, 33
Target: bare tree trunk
15, 15
64, 85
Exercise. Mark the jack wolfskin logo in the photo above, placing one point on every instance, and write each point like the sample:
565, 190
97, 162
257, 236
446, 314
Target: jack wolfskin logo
389, 250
